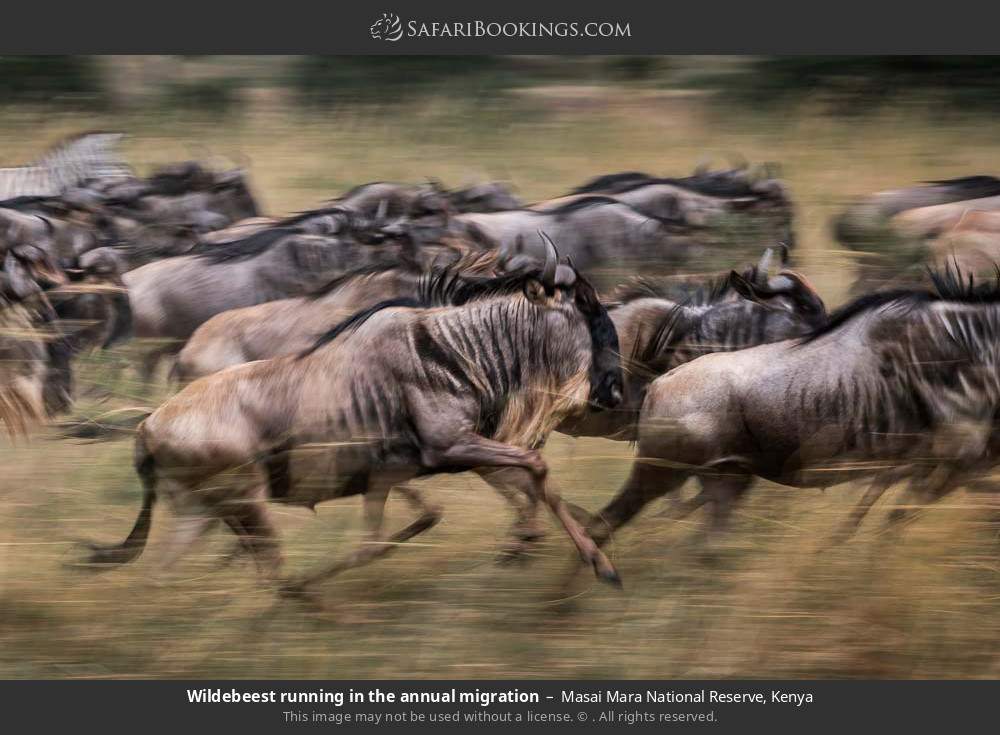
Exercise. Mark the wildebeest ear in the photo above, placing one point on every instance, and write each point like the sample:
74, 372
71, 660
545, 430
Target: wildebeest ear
743, 287
534, 291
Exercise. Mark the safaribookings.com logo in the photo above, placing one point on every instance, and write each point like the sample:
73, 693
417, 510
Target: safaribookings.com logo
387, 28
390, 28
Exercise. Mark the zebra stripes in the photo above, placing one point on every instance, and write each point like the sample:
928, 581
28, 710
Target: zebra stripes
79, 159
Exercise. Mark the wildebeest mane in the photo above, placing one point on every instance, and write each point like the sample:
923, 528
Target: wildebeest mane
949, 285
449, 285
441, 286
360, 272
178, 179
356, 320
611, 182
972, 187
300, 217
644, 355
31, 201
243, 249
576, 205
356, 189
718, 184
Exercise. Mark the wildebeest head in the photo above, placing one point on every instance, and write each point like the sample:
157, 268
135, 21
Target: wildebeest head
234, 195
491, 196
561, 286
785, 290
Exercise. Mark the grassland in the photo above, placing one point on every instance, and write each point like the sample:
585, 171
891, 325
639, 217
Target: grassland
775, 601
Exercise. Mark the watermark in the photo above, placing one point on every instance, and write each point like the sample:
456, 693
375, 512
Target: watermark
387, 28
390, 28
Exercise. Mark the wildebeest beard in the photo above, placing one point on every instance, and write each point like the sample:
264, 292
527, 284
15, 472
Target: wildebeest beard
606, 383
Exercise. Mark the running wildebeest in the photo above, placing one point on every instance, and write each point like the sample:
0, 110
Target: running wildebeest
381, 200
864, 221
35, 377
899, 385
703, 199
288, 326
394, 392
657, 333
899, 233
660, 327
594, 232
171, 298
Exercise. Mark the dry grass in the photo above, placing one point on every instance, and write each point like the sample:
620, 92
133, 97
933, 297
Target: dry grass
773, 602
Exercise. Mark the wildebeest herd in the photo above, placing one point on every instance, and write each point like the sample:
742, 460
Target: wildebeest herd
405, 330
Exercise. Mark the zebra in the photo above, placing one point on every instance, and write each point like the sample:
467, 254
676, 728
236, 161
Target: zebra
78, 159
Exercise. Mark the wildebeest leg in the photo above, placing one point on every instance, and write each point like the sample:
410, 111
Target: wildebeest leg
678, 508
250, 520
646, 482
475, 451
525, 530
939, 482
184, 532
373, 546
151, 361
723, 490
876, 489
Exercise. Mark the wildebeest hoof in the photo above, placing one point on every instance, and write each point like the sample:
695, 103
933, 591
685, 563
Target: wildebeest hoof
608, 574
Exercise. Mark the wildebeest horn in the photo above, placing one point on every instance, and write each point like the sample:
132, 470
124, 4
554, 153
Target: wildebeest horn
383, 208
551, 261
765, 264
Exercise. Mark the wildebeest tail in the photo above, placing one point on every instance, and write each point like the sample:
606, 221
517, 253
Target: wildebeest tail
130, 549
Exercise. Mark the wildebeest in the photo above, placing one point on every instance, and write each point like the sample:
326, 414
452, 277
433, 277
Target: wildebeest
899, 385
898, 233
171, 298
865, 221
394, 392
704, 199
288, 326
22, 369
660, 327
385, 200
594, 232
35, 377
487, 196
137, 220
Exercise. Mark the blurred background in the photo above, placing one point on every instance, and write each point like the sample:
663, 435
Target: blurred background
775, 602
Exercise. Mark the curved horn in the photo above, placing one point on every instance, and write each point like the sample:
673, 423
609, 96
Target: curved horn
765, 264
383, 208
551, 261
